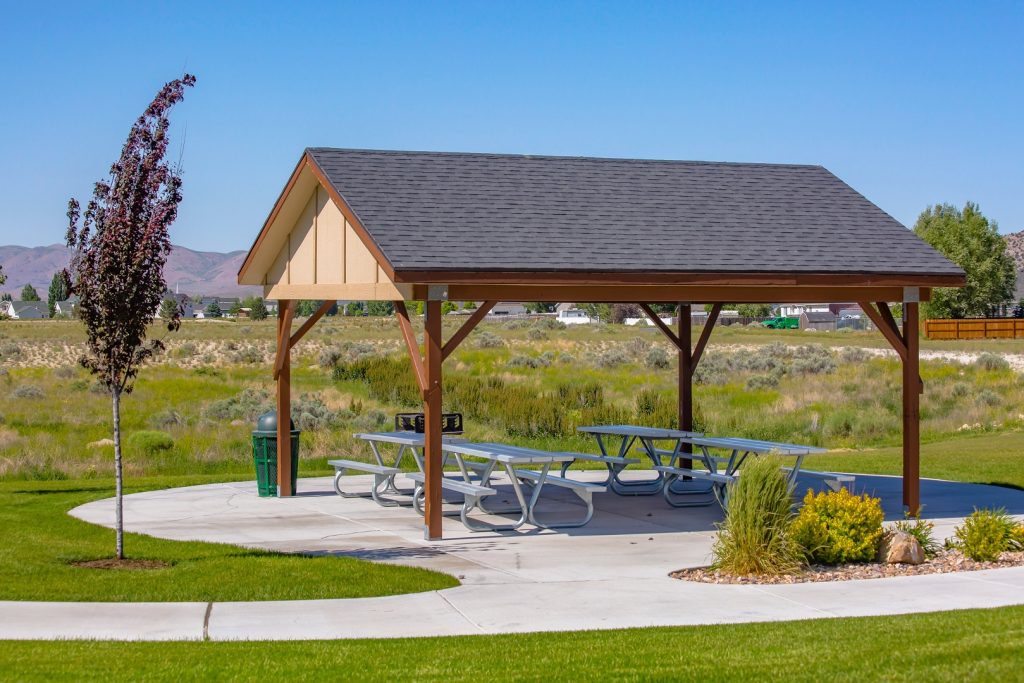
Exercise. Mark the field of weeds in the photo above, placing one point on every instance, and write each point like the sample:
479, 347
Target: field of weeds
529, 382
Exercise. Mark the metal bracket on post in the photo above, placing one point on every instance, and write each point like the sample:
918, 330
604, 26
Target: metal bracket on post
437, 293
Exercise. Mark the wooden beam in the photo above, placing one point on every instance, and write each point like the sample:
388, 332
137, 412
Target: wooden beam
284, 405
658, 279
886, 313
892, 335
410, 344
705, 334
605, 293
466, 328
432, 423
911, 411
310, 321
660, 324
285, 311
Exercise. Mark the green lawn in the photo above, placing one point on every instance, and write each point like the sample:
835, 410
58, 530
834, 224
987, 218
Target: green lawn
984, 459
41, 539
944, 646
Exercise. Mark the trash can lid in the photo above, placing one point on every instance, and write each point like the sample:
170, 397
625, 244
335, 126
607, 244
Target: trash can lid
267, 422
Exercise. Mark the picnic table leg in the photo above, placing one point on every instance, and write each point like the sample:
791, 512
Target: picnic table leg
645, 487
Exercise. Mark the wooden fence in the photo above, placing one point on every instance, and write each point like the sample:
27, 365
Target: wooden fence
978, 328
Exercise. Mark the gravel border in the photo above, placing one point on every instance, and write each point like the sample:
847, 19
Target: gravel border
946, 562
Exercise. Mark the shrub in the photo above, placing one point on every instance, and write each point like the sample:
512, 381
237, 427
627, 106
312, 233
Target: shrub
489, 340
989, 398
330, 357
310, 413
166, 418
763, 382
27, 391
985, 535
839, 527
64, 372
657, 358
250, 355
853, 354
756, 536
991, 361
521, 361
186, 350
923, 531
536, 334
247, 404
10, 349
612, 358
637, 346
151, 442
813, 360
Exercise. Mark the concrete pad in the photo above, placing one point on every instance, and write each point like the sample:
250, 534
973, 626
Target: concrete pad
612, 573
102, 620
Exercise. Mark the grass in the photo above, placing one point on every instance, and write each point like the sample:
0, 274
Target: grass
50, 414
42, 539
982, 458
944, 646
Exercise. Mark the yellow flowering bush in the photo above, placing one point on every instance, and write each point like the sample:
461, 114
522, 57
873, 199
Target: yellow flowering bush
838, 527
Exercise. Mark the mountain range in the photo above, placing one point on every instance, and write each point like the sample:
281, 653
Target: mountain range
188, 271
213, 273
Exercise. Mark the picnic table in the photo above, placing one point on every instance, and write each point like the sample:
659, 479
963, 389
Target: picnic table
647, 436
514, 460
721, 471
383, 471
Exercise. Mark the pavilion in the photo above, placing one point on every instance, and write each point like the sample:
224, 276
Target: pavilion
428, 226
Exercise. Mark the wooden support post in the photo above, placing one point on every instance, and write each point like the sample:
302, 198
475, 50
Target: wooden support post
685, 325
283, 372
432, 422
912, 388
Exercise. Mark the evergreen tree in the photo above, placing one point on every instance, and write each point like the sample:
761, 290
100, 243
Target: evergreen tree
58, 292
29, 293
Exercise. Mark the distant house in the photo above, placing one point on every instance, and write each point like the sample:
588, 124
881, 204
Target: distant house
507, 309
184, 302
25, 310
568, 314
818, 320
66, 308
796, 310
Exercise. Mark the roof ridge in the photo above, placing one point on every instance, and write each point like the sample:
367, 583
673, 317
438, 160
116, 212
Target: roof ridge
556, 157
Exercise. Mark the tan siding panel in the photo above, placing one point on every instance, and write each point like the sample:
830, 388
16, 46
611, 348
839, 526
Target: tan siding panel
279, 269
360, 266
330, 240
302, 269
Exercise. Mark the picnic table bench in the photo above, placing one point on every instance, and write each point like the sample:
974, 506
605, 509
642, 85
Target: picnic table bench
628, 435
384, 474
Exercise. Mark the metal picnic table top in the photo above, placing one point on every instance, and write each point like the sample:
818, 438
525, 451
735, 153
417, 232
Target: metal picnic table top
757, 446
403, 438
507, 455
637, 431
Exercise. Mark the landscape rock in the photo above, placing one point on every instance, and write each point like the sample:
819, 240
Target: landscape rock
102, 443
899, 547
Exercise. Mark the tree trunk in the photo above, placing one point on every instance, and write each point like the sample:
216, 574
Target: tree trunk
118, 483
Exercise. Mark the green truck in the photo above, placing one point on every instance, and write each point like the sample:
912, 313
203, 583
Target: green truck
781, 322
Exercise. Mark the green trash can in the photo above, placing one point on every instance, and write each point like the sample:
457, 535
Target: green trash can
264, 454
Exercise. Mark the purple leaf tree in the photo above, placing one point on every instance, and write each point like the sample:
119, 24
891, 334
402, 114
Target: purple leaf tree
120, 245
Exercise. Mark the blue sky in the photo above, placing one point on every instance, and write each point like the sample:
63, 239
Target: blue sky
910, 103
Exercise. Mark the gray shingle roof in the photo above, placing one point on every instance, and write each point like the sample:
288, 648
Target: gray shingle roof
446, 211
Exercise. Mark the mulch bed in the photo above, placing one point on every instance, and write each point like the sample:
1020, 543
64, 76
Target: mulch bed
946, 562
127, 563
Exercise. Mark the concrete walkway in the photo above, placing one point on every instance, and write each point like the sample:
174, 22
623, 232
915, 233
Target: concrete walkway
610, 574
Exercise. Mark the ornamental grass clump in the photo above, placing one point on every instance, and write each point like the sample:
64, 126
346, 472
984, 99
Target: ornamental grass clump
987, 534
838, 527
756, 536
